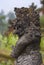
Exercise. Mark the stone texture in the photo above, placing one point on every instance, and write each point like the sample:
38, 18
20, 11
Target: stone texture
27, 27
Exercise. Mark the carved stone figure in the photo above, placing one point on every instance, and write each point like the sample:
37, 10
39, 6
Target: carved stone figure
27, 27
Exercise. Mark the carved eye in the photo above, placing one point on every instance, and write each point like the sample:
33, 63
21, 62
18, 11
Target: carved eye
19, 27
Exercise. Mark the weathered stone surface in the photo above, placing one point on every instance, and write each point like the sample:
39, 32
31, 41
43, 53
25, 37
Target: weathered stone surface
27, 27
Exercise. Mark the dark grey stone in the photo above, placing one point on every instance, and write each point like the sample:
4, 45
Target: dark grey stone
27, 26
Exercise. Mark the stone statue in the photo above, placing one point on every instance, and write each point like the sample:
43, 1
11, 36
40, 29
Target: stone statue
27, 27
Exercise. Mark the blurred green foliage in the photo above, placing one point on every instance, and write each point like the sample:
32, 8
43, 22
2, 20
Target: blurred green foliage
42, 44
4, 20
6, 42
42, 21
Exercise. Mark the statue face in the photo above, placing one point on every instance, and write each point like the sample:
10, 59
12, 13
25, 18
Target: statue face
22, 20
18, 27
